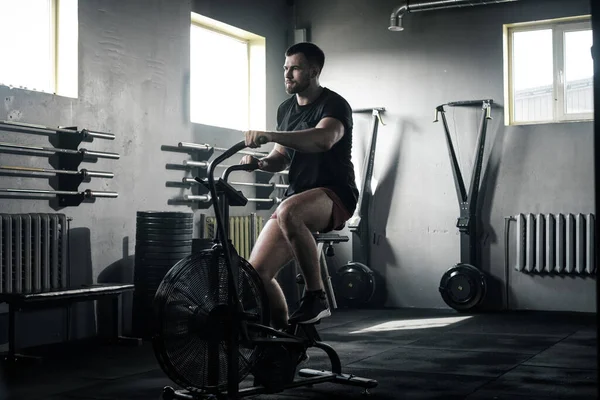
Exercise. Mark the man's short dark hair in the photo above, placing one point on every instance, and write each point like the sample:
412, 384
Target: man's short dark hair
311, 51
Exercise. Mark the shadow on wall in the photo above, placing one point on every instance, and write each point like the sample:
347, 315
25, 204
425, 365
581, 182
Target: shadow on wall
382, 201
487, 235
121, 271
80, 249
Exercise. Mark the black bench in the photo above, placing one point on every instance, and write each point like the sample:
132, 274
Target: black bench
62, 297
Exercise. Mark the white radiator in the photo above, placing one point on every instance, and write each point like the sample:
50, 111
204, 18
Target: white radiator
243, 232
556, 243
33, 252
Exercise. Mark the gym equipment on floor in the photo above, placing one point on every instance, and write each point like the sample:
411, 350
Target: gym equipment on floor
212, 320
464, 285
356, 283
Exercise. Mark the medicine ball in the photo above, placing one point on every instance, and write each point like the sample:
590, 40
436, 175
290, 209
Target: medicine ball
355, 284
463, 287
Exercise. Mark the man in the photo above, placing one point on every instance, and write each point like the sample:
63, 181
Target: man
313, 139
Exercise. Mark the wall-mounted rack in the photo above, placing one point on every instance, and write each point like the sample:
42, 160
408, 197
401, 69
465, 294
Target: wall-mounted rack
65, 156
264, 188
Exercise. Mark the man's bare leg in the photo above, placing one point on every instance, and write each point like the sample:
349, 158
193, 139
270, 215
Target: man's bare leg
270, 253
298, 217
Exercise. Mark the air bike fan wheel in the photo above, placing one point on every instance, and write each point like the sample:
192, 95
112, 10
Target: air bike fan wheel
192, 325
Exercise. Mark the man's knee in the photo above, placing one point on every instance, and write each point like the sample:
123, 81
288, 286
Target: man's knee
310, 210
289, 219
265, 274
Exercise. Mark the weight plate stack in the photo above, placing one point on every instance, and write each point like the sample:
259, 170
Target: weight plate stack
162, 238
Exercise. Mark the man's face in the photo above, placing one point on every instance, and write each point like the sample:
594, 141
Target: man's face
297, 73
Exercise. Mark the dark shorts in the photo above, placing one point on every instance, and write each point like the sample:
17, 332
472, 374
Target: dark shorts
339, 213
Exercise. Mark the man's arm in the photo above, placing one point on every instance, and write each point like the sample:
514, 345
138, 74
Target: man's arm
276, 161
314, 140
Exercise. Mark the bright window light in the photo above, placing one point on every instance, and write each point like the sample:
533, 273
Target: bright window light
67, 63
43, 55
227, 75
410, 324
28, 54
579, 72
219, 79
549, 71
533, 75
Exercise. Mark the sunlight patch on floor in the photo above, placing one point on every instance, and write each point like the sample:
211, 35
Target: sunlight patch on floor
409, 324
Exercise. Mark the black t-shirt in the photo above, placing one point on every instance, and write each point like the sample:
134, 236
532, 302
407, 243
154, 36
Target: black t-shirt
332, 169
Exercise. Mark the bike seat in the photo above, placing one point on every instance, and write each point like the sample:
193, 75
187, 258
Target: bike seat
329, 237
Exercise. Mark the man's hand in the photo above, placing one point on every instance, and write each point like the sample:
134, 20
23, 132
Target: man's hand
258, 164
257, 138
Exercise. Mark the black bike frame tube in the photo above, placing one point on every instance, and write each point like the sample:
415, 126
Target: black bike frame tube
233, 299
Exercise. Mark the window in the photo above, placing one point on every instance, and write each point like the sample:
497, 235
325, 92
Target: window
41, 55
549, 71
227, 76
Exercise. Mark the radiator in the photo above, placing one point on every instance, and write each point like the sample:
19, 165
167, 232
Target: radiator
556, 243
243, 232
33, 252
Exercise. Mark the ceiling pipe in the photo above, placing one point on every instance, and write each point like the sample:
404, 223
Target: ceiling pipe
415, 5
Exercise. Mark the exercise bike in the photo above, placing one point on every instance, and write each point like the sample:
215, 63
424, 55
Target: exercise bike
211, 320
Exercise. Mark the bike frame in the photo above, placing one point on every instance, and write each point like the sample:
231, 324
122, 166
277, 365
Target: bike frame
236, 311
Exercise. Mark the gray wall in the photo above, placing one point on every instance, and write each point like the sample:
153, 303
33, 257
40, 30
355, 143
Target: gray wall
442, 56
133, 82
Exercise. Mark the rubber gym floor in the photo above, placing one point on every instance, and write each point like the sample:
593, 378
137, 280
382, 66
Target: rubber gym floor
414, 354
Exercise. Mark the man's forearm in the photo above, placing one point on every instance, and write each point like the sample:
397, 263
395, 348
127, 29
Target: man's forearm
273, 164
314, 140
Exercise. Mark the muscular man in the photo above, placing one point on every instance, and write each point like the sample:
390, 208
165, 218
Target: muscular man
314, 139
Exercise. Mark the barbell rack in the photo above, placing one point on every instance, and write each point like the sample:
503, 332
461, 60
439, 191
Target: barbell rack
88, 193
34, 128
43, 172
207, 147
204, 164
207, 198
265, 185
82, 151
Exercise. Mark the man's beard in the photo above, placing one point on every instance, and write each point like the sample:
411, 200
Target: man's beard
297, 88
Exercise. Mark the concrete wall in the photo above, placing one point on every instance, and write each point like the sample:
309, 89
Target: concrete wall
133, 82
442, 56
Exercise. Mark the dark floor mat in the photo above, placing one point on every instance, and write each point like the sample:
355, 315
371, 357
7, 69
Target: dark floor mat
493, 343
349, 351
577, 351
144, 386
544, 381
527, 323
391, 386
453, 362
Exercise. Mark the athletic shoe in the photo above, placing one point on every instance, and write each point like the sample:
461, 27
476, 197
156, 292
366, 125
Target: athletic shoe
313, 307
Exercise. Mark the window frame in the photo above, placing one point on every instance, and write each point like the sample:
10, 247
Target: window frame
559, 27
